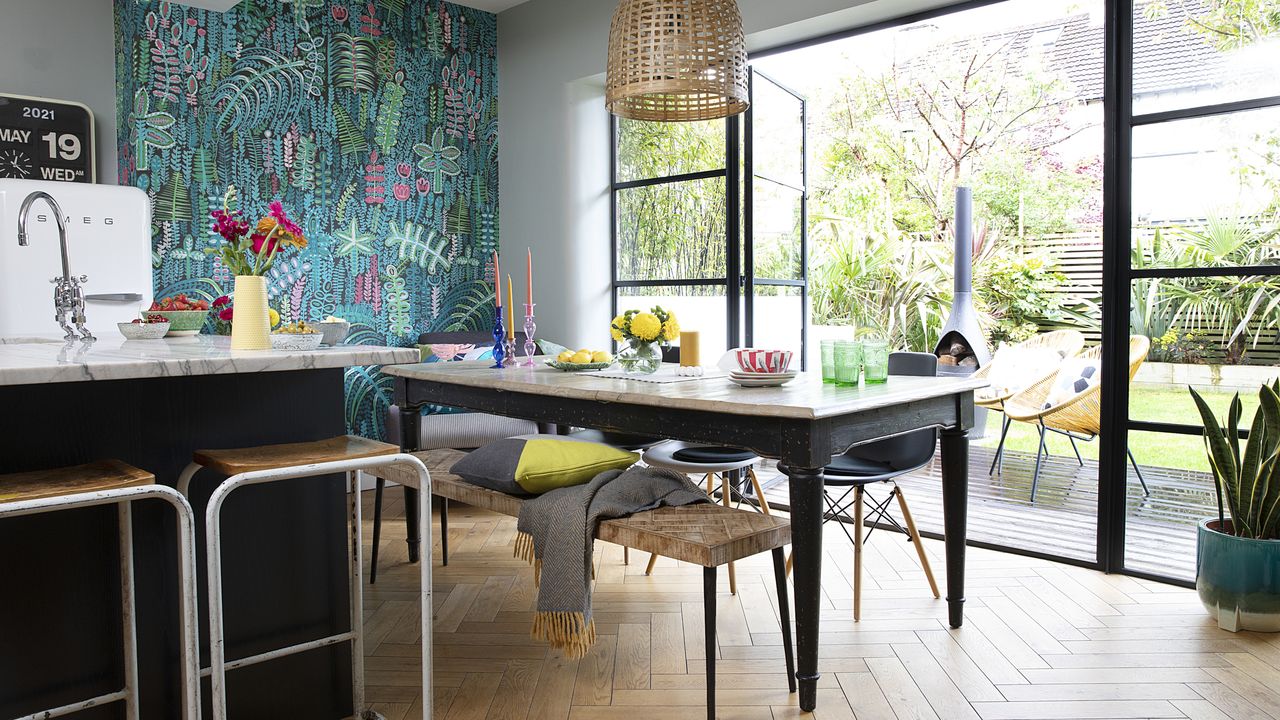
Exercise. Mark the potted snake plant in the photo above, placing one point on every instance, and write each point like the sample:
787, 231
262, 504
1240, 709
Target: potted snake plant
1238, 552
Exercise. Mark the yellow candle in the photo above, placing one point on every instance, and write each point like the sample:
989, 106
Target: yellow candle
689, 356
511, 316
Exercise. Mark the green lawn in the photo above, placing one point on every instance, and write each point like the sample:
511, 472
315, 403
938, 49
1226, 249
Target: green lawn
1154, 449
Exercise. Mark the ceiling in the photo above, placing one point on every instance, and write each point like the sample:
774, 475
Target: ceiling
493, 6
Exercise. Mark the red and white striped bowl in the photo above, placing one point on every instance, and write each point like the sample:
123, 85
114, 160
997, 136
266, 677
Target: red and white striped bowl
763, 361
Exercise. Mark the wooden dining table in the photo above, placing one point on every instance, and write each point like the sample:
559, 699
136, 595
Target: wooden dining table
801, 424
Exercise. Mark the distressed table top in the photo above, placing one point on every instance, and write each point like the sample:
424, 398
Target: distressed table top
804, 398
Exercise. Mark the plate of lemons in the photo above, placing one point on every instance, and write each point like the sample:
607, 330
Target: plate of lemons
571, 361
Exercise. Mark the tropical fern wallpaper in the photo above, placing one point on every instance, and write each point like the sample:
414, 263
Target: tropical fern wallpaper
375, 122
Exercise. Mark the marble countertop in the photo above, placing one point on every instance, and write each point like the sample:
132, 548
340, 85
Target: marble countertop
28, 361
806, 397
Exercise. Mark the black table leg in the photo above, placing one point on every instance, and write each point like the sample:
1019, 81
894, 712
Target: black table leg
806, 542
379, 486
409, 438
709, 631
955, 508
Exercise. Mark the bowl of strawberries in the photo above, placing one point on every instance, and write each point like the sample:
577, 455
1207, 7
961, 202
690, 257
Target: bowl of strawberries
185, 315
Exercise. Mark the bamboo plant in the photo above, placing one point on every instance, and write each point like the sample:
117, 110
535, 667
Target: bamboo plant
1248, 483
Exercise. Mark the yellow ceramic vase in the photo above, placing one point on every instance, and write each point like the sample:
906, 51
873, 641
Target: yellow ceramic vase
250, 327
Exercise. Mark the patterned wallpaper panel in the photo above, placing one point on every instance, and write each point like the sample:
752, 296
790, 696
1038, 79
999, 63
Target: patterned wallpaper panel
376, 124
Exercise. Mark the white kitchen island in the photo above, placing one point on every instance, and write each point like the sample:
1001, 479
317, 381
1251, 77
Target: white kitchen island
151, 403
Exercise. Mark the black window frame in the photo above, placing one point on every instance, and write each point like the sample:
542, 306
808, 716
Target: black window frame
730, 175
1118, 274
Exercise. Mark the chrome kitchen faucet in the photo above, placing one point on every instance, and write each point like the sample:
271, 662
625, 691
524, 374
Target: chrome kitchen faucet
68, 300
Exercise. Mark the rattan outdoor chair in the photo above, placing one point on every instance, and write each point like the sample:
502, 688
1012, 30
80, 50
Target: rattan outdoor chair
1067, 343
1077, 416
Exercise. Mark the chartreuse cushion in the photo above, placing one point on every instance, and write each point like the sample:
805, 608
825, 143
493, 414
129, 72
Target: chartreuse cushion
534, 465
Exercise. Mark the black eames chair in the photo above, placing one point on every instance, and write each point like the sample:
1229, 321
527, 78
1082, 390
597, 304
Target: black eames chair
881, 461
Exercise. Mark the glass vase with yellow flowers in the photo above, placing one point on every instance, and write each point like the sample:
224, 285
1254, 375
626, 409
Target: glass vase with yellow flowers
248, 252
644, 333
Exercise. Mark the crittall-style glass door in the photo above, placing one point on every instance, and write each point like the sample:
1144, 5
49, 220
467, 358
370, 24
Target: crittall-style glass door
710, 221
775, 264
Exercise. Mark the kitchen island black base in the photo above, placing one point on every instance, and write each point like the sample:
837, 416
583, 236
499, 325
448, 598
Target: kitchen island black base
285, 570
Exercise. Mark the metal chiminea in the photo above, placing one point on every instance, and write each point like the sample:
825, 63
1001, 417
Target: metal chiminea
963, 347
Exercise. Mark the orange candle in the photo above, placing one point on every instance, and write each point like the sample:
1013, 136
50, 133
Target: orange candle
689, 355
511, 316
528, 271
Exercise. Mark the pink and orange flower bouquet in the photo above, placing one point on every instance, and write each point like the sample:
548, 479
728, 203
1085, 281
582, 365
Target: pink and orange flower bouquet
252, 253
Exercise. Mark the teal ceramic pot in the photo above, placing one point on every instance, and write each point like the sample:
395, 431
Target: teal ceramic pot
1238, 579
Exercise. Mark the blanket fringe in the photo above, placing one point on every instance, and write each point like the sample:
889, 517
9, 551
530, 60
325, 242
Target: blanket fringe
567, 631
524, 551
524, 547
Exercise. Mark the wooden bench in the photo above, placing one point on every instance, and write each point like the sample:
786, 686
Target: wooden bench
707, 534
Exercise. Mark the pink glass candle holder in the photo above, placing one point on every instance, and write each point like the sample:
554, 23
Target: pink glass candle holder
530, 347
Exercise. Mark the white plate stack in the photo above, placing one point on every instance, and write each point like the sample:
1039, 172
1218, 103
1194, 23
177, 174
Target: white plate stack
761, 368
752, 379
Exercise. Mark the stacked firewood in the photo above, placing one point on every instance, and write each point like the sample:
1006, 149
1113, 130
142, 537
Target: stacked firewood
957, 353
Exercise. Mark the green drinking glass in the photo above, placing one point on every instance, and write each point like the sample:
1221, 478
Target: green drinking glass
875, 360
848, 360
828, 361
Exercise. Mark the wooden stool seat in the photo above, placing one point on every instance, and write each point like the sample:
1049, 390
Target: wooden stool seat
90, 477
267, 457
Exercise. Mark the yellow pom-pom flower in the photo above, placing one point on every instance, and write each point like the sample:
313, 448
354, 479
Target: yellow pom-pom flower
273, 316
615, 328
671, 328
646, 326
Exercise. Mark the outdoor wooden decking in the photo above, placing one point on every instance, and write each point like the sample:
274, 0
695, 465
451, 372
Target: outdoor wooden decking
1160, 529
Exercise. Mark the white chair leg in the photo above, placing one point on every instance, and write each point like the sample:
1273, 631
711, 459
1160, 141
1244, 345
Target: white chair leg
217, 637
424, 576
189, 624
184, 480
128, 610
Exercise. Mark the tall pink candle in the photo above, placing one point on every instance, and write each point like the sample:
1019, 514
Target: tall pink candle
497, 281
528, 271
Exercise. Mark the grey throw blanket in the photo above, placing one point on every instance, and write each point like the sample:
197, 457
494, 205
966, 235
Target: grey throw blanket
556, 533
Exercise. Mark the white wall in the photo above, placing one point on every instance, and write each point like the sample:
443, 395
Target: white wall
554, 138
65, 50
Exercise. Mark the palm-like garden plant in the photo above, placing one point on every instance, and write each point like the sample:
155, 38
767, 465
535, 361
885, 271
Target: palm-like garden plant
1248, 483
1242, 310
879, 280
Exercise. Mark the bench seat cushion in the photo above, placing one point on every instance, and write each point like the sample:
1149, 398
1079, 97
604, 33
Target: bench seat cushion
534, 465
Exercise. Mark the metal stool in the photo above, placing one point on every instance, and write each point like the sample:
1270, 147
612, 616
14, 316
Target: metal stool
109, 482
269, 463
728, 467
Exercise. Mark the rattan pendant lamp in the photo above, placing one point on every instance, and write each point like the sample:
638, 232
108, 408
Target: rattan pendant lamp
676, 60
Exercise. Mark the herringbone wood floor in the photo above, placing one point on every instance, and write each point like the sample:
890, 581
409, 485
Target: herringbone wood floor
1041, 640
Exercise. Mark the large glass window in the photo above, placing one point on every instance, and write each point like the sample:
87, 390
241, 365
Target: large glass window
691, 235
1163, 252
1204, 286
1006, 100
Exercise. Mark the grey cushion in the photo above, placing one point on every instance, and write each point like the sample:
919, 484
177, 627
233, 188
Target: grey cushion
493, 466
